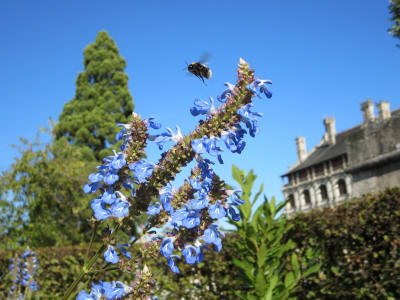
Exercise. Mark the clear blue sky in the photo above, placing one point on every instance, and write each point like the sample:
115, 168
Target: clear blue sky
324, 58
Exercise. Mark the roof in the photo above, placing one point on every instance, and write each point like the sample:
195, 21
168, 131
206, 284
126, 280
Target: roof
325, 151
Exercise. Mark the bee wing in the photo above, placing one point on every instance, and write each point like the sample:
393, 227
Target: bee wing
205, 57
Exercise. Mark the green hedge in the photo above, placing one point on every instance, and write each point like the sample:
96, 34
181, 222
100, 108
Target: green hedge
215, 278
360, 248
358, 242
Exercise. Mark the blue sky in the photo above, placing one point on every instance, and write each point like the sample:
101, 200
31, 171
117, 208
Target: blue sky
324, 59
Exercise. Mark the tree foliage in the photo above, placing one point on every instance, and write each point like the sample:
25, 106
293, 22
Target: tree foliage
41, 195
395, 10
101, 99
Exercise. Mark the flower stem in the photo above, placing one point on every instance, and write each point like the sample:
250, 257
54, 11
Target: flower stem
91, 241
86, 267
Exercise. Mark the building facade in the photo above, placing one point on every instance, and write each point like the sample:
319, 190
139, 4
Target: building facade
363, 159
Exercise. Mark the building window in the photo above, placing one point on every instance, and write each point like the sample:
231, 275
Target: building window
319, 170
324, 192
337, 163
303, 175
342, 187
291, 201
306, 195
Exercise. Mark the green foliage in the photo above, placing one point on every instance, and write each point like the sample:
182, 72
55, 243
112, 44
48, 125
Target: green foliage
101, 99
271, 269
213, 279
42, 202
395, 10
360, 248
41, 199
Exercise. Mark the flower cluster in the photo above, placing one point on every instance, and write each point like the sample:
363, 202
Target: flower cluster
23, 270
191, 212
114, 290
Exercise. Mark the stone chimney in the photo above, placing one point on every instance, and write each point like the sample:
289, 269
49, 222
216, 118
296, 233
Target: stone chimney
330, 130
384, 110
368, 111
301, 148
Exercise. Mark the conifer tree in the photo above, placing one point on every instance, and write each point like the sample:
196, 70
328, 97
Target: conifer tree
101, 100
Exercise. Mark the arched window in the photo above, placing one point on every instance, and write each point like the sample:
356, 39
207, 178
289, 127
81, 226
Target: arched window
324, 192
306, 195
342, 187
291, 201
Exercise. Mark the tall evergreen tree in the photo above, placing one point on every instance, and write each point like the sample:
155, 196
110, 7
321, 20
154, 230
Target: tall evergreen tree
41, 197
395, 10
101, 100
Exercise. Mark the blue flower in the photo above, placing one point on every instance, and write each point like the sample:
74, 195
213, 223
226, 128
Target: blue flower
258, 86
202, 107
33, 286
227, 93
109, 196
110, 255
200, 145
235, 216
100, 212
250, 118
83, 295
172, 265
199, 203
189, 253
192, 219
153, 124
180, 214
233, 197
166, 194
216, 211
164, 137
120, 135
206, 170
212, 236
142, 169
90, 187
155, 209
96, 177
116, 290
120, 208
195, 183
228, 139
111, 177
124, 251
167, 247
118, 161
199, 253
25, 254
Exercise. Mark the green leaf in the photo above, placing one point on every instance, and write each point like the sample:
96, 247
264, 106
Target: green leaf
262, 254
289, 279
260, 284
312, 270
272, 283
295, 264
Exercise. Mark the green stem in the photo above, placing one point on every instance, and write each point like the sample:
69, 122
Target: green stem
86, 267
91, 241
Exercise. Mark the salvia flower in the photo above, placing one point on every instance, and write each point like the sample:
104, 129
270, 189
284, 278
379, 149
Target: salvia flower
110, 255
227, 93
203, 107
167, 247
142, 169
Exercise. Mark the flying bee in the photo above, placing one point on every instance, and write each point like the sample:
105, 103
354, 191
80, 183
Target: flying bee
199, 69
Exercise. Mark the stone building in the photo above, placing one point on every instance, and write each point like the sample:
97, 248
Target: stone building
363, 159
